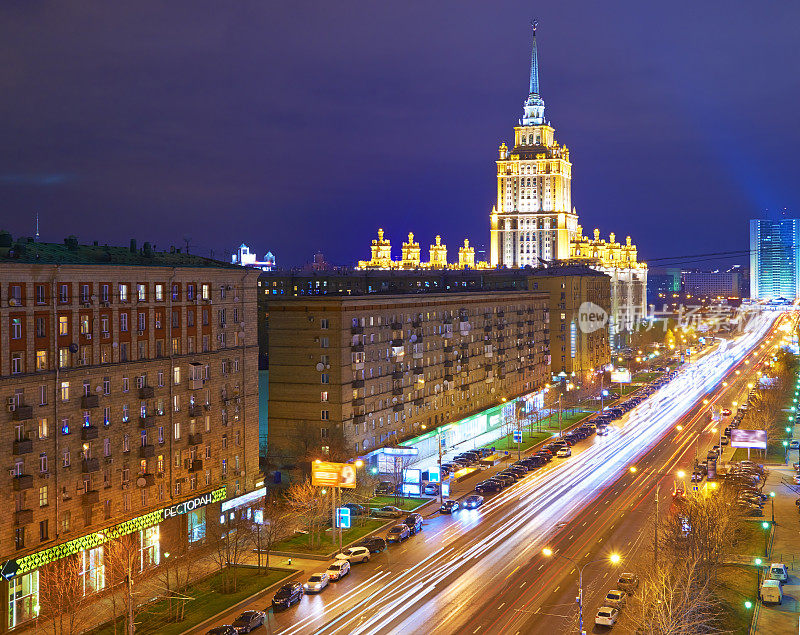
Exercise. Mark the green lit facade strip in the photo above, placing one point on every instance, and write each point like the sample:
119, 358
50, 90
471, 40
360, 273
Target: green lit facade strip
31, 562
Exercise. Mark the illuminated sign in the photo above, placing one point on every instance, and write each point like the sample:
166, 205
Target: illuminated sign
412, 476
749, 439
186, 506
343, 517
400, 451
327, 474
244, 499
517, 436
621, 376
31, 562
434, 476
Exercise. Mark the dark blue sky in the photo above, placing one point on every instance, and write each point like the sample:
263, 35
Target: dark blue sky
299, 126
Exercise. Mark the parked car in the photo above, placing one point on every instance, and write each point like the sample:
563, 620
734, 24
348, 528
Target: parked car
388, 511
778, 571
628, 582
564, 453
383, 488
316, 583
354, 554
227, 629
771, 592
356, 510
414, 523
249, 620
505, 479
513, 475
794, 444
606, 616
489, 487
375, 544
287, 595
615, 598
448, 507
431, 489
398, 533
338, 569
473, 501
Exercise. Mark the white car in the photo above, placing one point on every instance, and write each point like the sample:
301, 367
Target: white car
615, 598
316, 583
606, 616
778, 571
564, 453
354, 554
338, 570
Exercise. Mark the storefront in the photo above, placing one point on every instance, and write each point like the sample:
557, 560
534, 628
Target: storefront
21, 576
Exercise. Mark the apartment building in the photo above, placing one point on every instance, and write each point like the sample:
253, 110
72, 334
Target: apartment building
349, 374
129, 384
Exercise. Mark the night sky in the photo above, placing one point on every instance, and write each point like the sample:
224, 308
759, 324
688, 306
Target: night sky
303, 126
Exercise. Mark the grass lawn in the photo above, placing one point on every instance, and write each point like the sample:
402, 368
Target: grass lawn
736, 584
408, 503
776, 453
567, 419
750, 539
507, 443
206, 602
299, 542
646, 377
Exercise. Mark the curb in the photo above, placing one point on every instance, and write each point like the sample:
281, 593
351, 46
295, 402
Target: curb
201, 627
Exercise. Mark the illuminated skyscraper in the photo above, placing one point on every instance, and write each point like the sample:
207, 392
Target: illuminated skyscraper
533, 220
774, 262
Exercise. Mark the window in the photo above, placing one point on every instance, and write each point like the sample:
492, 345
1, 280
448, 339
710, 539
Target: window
63, 357
106, 447
41, 360
104, 325
63, 325
16, 363
126, 443
123, 322
93, 570
176, 430
325, 378
190, 292
142, 321
176, 375
325, 415
64, 391
123, 293
43, 462
190, 318
323, 396
41, 294
323, 323
141, 292
104, 293
63, 295
176, 294
16, 328
159, 292
43, 496
43, 428
41, 327
205, 292
324, 342
65, 459
86, 296
85, 329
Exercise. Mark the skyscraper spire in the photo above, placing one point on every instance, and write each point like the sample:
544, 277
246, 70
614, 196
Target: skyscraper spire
534, 105
534, 62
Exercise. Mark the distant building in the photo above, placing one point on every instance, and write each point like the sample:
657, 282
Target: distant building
381, 256
712, 284
246, 258
318, 263
774, 261
662, 284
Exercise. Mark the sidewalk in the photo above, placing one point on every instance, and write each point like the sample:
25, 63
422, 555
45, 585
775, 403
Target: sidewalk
782, 619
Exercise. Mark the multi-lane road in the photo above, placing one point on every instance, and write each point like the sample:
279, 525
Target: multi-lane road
482, 571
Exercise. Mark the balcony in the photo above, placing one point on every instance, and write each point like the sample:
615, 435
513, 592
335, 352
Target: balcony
23, 446
89, 432
449, 378
359, 419
487, 328
398, 342
147, 451
196, 410
464, 387
398, 407
447, 335
397, 390
196, 465
92, 497
22, 413
419, 401
146, 392
23, 482
358, 383
23, 517
147, 422
90, 401
397, 374
357, 348
146, 479
397, 326
195, 384
501, 314
356, 330
90, 465
416, 323
195, 438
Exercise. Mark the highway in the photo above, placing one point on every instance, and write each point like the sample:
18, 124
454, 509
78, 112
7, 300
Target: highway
482, 571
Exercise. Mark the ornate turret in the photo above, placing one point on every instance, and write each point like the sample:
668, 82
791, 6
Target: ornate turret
466, 256
438, 253
411, 253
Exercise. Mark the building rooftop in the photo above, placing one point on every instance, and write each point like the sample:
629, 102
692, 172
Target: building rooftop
27, 251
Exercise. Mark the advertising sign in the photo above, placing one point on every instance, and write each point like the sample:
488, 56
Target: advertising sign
412, 476
446, 489
327, 474
621, 376
749, 439
411, 489
434, 476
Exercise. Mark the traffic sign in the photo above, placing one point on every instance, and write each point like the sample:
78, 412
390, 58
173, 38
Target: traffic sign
517, 436
343, 517
434, 475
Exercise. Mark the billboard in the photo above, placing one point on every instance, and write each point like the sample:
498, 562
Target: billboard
327, 474
621, 376
749, 439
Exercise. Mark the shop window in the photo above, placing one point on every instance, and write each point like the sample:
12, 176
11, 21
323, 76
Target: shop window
197, 525
23, 598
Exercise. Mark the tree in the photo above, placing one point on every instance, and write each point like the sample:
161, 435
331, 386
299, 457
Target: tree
310, 509
230, 541
175, 575
123, 567
61, 596
277, 522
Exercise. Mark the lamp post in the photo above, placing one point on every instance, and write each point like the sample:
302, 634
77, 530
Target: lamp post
772, 499
613, 558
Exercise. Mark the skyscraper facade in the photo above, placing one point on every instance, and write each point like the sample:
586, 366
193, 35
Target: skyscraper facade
533, 220
774, 262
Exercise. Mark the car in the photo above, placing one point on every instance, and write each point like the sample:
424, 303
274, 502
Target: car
431, 489
473, 501
384, 487
794, 444
375, 544
726, 412
678, 491
448, 507
356, 510
727, 432
697, 477
724, 441
287, 595
249, 620
226, 629
615, 598
564, 453
778, 571
606, 616
388, 511
514, 476
398, 533
354, 554
316, 583
489, 487
602, 430
628, 582
337, 570
414, 523
505, 479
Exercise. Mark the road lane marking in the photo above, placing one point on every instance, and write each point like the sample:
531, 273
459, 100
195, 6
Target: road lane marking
501, 606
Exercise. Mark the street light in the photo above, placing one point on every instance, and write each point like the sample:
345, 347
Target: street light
613, 558
772, 497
